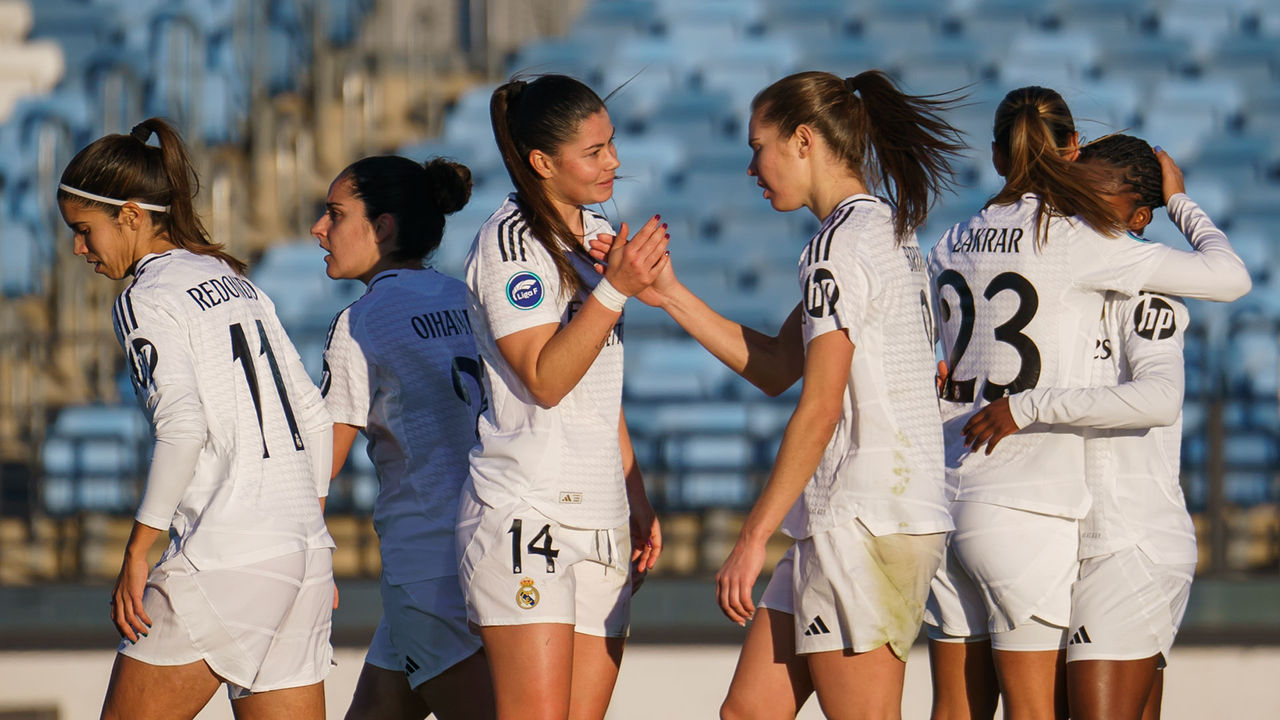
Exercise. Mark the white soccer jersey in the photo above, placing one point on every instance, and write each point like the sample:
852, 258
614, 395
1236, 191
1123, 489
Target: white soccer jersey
210, 363
563, 460
401, 364
1132, 462
884, 462
1014, 318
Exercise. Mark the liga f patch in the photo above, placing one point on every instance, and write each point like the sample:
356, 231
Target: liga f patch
524, 290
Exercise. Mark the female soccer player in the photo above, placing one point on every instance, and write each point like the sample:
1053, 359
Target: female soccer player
858, 480
543, 527
1137, 543
244, 593
401, 366
1020, 288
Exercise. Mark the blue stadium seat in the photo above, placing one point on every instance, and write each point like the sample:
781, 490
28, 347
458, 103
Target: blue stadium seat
1145, 59
696, 490
23, 264
806, 21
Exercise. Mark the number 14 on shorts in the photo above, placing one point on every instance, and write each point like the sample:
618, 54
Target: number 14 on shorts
539, 545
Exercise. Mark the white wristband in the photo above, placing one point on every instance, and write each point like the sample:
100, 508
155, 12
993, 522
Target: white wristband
607, 295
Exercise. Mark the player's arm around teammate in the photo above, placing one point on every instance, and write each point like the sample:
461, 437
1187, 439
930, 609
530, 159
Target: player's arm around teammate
401, 366
243, 593
1137, 544
544, 536
1041, 255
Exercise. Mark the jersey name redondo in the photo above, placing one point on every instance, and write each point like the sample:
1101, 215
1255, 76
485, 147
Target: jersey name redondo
1014, 317
884, 462
204, 347
565, 460
401, 364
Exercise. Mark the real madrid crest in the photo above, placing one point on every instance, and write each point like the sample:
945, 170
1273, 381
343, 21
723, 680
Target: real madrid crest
527, 596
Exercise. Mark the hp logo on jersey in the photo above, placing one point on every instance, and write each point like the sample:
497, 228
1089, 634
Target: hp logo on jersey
821, 293
524, 290
1154, 318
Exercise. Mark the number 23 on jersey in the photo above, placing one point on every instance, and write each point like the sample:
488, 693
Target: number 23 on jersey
958, 388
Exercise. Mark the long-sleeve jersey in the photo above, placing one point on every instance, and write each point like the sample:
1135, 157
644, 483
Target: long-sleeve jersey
1015, 317
243, 440
1133, 430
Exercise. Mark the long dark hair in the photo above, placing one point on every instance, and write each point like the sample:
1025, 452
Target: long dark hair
542, 114
1033, 128
895, 142
417, 196
125, 167
1136, 167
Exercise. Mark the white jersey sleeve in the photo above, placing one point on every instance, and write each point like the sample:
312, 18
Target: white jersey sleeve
1213, 271
836, 294
345, 383
1152, 348
167, 393
516, 281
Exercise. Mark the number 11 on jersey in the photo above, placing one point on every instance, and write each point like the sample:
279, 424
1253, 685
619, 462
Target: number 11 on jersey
240, 352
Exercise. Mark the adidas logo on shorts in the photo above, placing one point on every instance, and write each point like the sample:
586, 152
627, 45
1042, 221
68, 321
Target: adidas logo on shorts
817, 627
410, 667
1079, 637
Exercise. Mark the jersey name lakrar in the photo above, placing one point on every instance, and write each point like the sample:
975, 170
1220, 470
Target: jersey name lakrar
883, 464
1014, 317
203, 342
401, 364
564, 460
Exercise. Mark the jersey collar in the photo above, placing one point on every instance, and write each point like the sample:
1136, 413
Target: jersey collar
146, 260
384, 275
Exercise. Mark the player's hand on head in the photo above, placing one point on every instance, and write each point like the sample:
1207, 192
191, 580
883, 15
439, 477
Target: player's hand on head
737, 578
633, 263
989, 426
1170, 174
127, 613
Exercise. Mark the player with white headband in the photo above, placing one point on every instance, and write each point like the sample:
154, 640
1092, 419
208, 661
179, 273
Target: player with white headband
1020, 288
244, 593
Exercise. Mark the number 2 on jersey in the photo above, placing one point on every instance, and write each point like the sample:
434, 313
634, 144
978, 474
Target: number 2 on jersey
1009, 333
240, 352
545, 549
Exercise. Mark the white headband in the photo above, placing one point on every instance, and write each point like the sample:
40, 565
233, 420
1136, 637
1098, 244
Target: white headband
111, 201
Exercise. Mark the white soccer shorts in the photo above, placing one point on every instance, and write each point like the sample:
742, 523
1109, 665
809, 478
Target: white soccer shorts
260, 627
1007, 575
423, 630
850, 590
520, 567
1125, 607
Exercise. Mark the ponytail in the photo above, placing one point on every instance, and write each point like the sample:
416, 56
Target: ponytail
911, 144
1033, 128
417, 196
127, 168
894, 142
541, 115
